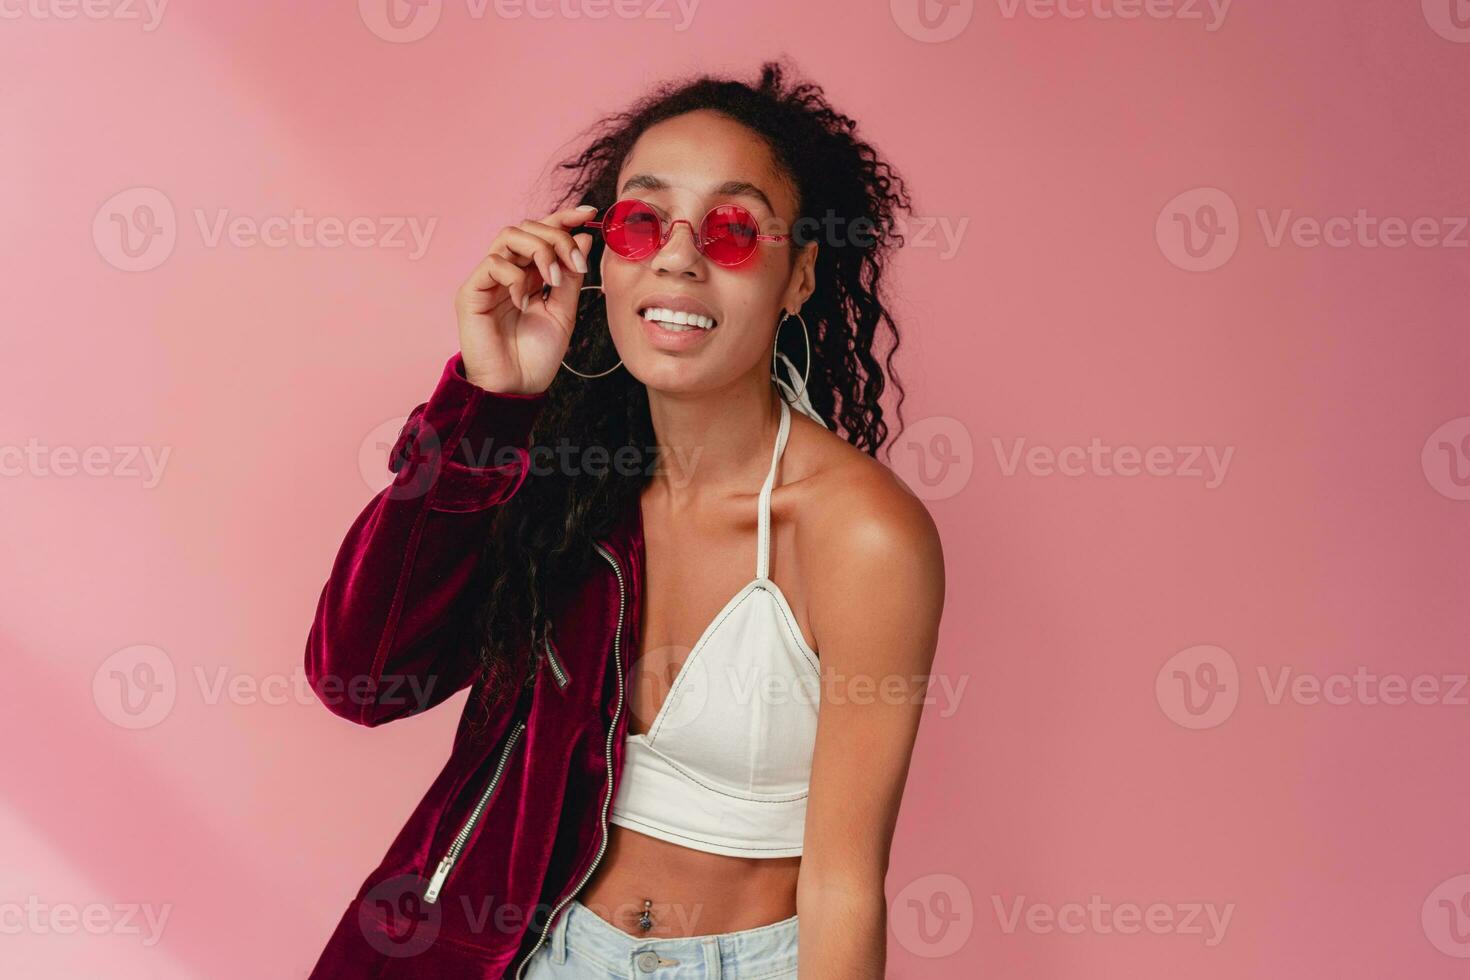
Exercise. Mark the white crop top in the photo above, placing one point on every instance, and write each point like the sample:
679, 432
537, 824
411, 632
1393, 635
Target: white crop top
726, 763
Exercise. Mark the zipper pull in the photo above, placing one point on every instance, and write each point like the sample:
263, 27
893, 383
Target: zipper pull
558, 672
437, 882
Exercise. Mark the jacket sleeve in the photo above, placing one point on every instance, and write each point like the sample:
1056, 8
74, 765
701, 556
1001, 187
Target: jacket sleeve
392, 632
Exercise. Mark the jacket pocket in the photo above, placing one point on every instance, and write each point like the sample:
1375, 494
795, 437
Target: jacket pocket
456, 846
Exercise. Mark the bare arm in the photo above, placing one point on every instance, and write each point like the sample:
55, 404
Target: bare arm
874, 609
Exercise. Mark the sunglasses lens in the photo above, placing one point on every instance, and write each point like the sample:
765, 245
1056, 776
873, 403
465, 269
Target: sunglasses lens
632, 229
729, 235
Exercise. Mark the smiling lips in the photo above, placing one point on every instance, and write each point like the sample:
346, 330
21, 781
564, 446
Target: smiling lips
677, 313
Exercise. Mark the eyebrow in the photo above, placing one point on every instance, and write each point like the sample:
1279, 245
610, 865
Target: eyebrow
730, 188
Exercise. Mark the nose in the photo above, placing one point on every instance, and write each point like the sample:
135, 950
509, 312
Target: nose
679, 255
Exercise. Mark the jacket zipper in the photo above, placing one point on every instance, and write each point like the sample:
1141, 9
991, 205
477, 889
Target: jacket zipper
456, 846
611, 729
558, 673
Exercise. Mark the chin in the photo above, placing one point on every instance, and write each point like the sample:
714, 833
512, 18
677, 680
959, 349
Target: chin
661, 372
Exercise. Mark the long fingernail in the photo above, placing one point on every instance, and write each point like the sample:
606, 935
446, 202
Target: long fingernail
579, 261
526, 303
586, 207
555, 274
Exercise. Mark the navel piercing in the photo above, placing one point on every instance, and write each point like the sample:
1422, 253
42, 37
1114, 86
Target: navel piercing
645, 922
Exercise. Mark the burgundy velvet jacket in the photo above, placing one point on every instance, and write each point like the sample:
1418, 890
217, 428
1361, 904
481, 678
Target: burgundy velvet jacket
516, 822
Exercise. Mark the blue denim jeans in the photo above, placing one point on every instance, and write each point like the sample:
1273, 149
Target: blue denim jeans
585, 946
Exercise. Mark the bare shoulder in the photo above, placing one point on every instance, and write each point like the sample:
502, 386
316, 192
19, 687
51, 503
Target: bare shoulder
859, 523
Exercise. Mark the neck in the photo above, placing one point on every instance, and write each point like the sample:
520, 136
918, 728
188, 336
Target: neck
713, 441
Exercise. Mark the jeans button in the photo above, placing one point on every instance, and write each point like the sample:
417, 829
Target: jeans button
648, 961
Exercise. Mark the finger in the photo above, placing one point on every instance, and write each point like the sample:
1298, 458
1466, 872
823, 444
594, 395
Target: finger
561, 241
517, 281
527, 248
565, 297
482, 277
570, 218
495, 272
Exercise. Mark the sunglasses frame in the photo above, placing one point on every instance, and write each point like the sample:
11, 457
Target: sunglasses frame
666, 232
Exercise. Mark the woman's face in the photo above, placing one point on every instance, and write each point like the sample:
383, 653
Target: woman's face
681, 168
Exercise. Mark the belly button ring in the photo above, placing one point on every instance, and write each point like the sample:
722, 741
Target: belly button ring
644, 921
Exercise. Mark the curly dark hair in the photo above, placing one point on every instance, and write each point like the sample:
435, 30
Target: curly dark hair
541, 539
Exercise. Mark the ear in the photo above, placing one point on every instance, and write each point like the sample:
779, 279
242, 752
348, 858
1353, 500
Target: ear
803, 280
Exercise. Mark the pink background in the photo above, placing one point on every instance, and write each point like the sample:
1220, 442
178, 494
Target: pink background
1335, 543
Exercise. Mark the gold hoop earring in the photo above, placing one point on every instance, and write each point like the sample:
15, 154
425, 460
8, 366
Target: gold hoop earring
807, 343
799, 398
574, 370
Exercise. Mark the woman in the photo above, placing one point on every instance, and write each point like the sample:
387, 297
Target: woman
653, 601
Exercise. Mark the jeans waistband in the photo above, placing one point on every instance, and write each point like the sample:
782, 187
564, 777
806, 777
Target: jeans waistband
749, 954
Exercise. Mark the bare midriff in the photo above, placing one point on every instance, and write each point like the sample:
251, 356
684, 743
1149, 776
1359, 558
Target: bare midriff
694, 893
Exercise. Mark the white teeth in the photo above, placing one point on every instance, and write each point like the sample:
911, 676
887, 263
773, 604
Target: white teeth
677, 321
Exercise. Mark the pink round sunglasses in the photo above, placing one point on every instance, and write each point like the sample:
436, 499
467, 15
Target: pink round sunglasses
727, 235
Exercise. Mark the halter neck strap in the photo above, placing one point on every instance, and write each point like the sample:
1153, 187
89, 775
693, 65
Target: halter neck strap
763, 535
